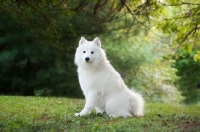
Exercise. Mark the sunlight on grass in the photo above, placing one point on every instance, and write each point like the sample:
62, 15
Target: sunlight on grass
57, 114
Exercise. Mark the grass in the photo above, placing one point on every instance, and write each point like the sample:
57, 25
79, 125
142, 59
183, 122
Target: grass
57, 114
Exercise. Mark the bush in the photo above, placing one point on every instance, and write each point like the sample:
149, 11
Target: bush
188, 72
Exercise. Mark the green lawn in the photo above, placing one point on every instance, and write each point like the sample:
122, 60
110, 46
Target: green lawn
57, 114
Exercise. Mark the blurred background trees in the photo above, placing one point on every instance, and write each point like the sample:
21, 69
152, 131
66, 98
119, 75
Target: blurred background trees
153, 44
30, 66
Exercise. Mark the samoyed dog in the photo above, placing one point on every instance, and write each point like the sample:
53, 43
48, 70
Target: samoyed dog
102, 86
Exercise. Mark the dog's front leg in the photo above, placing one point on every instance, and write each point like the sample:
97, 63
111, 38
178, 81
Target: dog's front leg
91, 102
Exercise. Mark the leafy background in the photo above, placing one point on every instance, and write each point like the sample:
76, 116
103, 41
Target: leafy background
153, 44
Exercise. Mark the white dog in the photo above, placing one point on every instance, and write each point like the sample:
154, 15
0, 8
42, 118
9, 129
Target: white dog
103, 87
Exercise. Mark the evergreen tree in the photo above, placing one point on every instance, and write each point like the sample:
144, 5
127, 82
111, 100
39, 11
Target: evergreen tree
188, 71
31, 67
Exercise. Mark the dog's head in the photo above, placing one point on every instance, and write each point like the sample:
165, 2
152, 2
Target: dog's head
89, 52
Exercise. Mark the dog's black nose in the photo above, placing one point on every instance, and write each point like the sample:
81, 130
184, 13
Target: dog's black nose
87, 58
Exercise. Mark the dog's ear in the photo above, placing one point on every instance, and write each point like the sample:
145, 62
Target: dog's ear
82, 40
97, 41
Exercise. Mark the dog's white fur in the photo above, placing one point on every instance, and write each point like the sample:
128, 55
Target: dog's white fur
103, 87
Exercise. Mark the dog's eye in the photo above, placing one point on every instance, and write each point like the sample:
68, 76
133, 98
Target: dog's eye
83, 51
92, 52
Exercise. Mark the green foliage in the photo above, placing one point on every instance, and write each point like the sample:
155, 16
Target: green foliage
178, 21
188, 71
39, 16
57, 114
181, 22
28, 66
197, 56
45, 18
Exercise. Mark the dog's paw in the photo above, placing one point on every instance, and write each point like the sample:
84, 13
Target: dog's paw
77, 114
113, 115
99, 114
139, 114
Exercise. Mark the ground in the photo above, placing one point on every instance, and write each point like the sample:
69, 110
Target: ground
57, 114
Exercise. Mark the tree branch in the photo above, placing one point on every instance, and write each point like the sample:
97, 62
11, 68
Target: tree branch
40, 12
193, 31
179, 4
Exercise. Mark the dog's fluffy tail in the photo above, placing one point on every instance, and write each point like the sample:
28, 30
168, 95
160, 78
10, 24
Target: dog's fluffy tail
137, 103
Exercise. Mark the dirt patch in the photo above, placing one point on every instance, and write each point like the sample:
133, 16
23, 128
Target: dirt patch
190, 125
